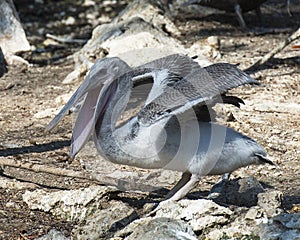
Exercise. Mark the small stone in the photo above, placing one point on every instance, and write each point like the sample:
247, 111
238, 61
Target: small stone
33, 141
53, 234
243, 192
253, 213
12, 205
69, 21
50, 42
270, 202
214, 41
49, 112
89, 3
148, 207
229, 117
295, 208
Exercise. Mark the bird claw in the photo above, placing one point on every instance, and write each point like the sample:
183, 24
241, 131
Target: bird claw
213, 195
216, 191
219, 188
160, 206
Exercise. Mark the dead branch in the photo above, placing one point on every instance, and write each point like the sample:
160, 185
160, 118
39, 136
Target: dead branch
43, 168
121, 184
271, 54
65, 40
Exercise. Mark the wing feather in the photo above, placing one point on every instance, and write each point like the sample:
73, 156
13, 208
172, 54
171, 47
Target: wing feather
165, 72
197, 88
178, 64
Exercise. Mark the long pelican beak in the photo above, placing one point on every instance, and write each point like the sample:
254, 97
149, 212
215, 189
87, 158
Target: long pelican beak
84, 122
106, 95
91, 112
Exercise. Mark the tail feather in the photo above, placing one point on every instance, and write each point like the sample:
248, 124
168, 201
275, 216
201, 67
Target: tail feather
236, 101
264, 159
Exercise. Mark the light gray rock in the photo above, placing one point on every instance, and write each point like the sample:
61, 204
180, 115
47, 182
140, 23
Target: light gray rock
53, 234
49, 112
104, 222
240, 226
200, 214
12, 35
119, 39
270, 202
271, 106
7, 183
158, 228
291, 221
281, 227
69, 204
142, 24
152, 11
254, 213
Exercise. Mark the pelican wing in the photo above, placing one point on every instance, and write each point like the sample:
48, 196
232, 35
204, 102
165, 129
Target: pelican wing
178, 64
163, 72
199, 87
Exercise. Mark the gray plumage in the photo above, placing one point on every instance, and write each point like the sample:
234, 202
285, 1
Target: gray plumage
173, 130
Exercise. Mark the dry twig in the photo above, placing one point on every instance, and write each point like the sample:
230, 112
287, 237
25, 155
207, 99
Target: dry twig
101, 179
271, 54
43, 168
65, 40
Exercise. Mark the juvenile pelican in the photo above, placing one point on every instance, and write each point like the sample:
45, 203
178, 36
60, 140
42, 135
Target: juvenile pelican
174, 128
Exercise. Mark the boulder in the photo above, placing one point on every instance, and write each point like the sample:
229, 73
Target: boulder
200, 214
158, 228
281, 227
12, 35
68, 204
104, 222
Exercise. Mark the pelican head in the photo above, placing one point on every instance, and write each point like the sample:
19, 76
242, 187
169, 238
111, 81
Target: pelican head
102, 73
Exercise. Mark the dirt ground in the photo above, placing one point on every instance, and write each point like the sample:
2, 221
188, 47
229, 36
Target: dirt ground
272, 116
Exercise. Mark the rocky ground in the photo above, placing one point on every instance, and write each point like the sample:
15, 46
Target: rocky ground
271, 116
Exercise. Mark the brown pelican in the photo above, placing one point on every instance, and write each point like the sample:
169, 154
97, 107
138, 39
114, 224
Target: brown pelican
174, 129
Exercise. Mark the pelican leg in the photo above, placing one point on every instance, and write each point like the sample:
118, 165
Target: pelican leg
186, 176
183, 191
238, 12
218, 188
190, 180
288, 3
